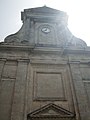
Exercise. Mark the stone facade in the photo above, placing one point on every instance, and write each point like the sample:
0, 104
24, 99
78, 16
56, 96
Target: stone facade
44, 70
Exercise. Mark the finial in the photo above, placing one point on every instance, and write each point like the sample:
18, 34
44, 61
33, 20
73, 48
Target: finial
44, 6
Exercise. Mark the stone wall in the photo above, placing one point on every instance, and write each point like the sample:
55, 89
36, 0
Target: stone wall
31, 78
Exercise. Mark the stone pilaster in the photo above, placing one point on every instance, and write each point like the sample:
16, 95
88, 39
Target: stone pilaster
2, 62
18, 104
79, 91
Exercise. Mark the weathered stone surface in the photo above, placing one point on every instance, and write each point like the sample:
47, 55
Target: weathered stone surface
45, 26
44, 65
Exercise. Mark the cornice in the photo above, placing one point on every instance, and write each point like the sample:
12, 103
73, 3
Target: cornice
45, 49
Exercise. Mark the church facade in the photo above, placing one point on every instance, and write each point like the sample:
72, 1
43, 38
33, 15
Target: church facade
44, 70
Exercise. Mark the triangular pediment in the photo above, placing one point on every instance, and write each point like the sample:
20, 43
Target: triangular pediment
51, 110
45, 9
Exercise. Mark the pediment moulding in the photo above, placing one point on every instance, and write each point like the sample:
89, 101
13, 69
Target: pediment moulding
44, 14
51, 111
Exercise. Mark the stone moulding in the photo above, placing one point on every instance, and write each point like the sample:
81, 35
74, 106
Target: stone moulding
51, 111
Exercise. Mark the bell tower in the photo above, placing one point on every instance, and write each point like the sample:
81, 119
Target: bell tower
44, 26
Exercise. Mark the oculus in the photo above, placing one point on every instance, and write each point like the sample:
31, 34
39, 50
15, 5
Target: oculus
45, 30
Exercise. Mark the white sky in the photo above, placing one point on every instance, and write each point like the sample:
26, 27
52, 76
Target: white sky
78, 11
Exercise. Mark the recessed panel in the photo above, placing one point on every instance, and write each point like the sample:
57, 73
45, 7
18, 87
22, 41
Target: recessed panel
9, 70
46, 34
49, 86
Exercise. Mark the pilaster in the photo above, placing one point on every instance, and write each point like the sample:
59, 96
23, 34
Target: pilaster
18, 104
79, 91
2, 62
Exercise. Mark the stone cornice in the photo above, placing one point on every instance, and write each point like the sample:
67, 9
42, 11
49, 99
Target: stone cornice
46, 49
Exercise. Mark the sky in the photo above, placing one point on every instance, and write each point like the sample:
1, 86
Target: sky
77, 10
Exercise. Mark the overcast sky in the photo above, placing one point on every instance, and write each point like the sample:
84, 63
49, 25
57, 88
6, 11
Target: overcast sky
78, 11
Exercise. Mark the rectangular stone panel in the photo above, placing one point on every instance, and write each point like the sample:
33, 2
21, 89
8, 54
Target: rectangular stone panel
6, 96
9, 70
87, 89
49, 86
46, 34
85, 73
